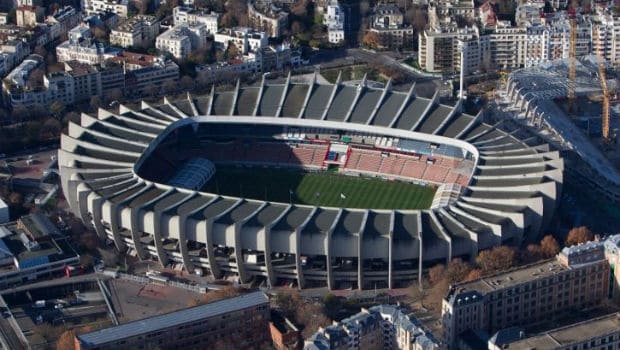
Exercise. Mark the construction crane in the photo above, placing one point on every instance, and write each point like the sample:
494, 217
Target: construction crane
603, 80
572, 53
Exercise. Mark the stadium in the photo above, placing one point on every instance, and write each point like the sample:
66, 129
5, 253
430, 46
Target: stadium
306, 184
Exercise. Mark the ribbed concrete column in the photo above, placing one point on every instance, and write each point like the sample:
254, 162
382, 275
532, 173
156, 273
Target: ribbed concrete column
259, 96
390, 252
360, 252
235, 98
328, 262
271, 278
328, 251
157, 237
287, 84
331, 96
300, 273
358, 93
434, 102
243, 277
192, 105
421, 249
211, 97
97, 205
386, 89
216, 271
410, 94
187, 261
307, 98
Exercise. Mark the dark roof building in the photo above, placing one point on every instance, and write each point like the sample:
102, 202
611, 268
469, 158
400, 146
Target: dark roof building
241, 320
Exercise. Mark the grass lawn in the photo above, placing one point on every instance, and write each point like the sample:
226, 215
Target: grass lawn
321, 189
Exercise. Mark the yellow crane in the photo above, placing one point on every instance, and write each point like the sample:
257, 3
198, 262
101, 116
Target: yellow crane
603, 80
572, 64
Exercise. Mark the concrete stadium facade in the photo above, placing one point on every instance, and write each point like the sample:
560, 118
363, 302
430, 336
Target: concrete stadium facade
509, 198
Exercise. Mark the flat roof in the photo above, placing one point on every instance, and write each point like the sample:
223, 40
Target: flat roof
189, 315
513, 277
572, 334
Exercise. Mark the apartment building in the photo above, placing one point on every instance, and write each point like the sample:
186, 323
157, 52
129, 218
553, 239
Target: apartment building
502, 46
86, 80
63, 20
576, 279
92, 7
12, 52
28, 16
245, 39
602, 333
82, 47
439, 50
147, 74
379, 327
387, 22
508, 46
333, 18
188, 15
137, 31
242, 322
181, 40
607, 37
267, 17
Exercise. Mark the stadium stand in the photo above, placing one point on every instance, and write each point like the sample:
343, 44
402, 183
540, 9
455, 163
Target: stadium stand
108, 163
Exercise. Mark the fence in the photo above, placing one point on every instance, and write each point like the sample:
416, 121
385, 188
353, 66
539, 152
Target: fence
202, 289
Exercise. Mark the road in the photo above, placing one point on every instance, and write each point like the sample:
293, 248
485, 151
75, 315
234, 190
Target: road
345, 57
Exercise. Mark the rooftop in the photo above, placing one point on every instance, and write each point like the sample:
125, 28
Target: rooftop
172, 319
129, 24
573, 334
513, 277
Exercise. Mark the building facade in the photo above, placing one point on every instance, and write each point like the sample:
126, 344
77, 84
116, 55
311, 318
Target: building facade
333, 18
377, 328
576, 279
92, 7
137, 31
28, 16
387, 22
181, 40
245, 39
188, 15
602, 333
82, 47
267, 17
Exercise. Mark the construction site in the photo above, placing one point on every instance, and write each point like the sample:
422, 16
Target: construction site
573, 104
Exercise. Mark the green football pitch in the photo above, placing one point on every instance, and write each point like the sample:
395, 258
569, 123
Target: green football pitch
318, 188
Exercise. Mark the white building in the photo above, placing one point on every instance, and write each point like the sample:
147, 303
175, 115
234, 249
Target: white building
439, 49
379, 327
62, 21
12, 53
22, 91
188, 15
137, 31
92, 7
246, 39
267, 17
181, 40
333, 18
83, 48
